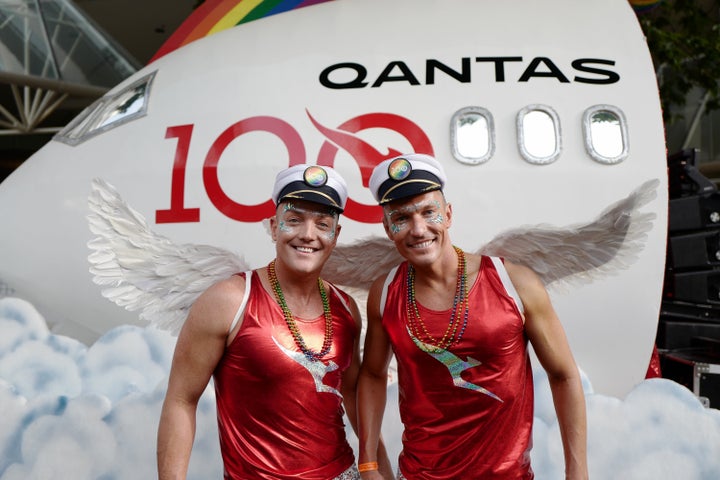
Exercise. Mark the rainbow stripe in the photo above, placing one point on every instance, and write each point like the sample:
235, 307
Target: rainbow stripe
213, 16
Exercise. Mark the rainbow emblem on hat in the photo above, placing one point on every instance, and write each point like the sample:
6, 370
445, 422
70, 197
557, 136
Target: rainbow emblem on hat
213, 16
315, 176
399, 169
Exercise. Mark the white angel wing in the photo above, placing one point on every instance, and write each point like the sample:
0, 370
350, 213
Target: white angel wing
559, 255
360, 263
583, 252
141, 270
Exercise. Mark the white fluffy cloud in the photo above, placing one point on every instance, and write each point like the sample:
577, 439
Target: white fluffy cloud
79, 413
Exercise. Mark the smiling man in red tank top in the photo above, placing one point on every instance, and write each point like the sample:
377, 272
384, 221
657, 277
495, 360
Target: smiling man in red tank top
282, 347
458, 325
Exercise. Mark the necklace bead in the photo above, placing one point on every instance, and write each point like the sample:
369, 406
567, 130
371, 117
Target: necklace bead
290, 320
460, 302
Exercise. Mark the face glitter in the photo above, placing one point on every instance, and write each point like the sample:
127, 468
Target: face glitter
293, 217
400, 219
283, 228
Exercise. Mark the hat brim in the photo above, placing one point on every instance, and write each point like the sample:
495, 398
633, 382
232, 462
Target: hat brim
324, 195
416, 184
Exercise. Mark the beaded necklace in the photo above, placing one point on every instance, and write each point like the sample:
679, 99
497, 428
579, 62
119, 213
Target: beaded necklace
414, 321
290, 320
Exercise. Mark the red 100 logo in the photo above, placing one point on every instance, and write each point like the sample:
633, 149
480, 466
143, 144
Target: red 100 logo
366, 156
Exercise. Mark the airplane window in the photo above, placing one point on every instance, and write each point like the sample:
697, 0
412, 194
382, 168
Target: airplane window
538, 133
605, 132
472, 135
109, 112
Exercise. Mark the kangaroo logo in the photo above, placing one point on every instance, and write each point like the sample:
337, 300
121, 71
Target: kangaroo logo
317, 369
455, 366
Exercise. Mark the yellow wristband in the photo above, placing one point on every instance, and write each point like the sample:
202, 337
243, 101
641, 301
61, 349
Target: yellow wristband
367, 466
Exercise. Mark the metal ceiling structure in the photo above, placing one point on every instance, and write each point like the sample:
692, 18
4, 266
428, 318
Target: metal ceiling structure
55, 60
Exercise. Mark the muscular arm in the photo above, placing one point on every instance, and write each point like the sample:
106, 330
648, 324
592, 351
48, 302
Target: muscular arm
349, 391
550, 344
372, 387
199, 347
350, 377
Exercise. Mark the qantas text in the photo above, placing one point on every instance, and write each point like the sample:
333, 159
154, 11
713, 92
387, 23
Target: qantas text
351, 75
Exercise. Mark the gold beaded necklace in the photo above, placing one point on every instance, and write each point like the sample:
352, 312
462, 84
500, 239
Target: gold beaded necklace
415, 324
290, 320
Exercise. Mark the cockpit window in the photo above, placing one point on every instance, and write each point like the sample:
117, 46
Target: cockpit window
605, 132
472, 135
109, 112
538, 134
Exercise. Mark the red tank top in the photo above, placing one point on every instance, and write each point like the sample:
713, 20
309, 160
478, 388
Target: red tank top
467, 411
280, 416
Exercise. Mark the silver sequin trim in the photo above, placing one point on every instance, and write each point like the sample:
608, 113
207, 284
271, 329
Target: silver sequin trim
349, 474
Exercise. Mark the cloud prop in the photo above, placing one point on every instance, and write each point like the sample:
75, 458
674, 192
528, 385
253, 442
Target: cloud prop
73, 412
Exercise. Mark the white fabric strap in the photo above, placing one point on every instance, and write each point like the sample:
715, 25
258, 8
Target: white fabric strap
342, 299
507, 283
246, 295
383, 295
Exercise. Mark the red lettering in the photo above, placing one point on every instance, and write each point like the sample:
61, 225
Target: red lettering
226, 205
177, 212
363, 153
367, 157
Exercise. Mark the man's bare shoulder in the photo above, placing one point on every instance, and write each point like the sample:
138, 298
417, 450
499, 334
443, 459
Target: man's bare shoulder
217, 305
521, 274
529, 286
226, 288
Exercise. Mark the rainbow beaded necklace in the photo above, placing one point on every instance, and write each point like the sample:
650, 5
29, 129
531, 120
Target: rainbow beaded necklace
290, 320
415, 324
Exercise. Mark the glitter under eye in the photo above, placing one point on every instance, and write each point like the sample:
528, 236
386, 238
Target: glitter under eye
293, 217
395, 228
430, 212
282, 226
437, 219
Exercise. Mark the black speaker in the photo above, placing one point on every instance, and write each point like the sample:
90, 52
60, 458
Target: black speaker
699, 287
699, 250
674, 333
694, 212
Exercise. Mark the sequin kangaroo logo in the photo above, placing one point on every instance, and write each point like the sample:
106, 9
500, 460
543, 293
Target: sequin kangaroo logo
455, 365
316, 368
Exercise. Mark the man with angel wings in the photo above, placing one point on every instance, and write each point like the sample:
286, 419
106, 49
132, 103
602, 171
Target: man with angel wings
282, 347
458, 325
139, 269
